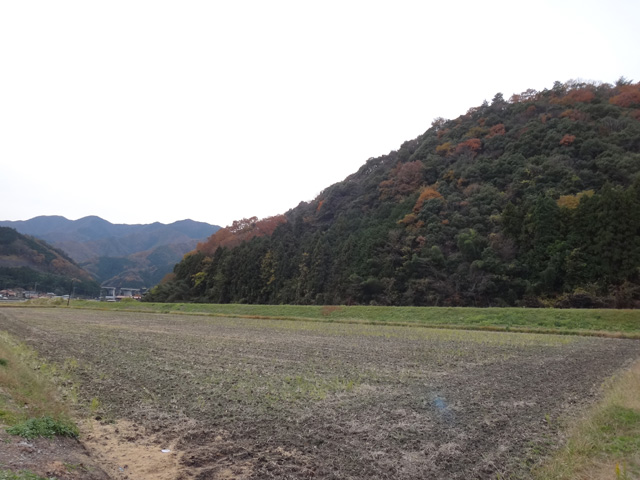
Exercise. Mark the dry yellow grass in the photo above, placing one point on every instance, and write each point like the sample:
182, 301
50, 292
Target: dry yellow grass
605, 443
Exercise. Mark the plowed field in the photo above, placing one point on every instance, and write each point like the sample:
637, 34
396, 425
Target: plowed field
241, 398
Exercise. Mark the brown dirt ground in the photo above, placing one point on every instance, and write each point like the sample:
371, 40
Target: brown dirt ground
62, 458
235, 398
126, 453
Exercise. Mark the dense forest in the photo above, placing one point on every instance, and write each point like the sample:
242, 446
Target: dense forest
26, 261
531, 201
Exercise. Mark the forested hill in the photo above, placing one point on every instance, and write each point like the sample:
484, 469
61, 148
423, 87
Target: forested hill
30, 263
118, 255
534, 200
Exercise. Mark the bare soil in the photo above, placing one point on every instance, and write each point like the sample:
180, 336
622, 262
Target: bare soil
62, 458
126, 452
248, 399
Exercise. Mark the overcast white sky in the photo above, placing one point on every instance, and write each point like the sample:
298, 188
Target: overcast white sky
143, 111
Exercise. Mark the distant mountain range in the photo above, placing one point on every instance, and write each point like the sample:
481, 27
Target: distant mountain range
118, 254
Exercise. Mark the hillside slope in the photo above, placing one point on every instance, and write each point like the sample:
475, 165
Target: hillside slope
531, 201
92, 236
119, 254
26, 261
138, 270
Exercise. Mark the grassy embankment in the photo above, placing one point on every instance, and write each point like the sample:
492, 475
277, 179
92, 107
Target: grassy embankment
605, 443
29, 405
610, 323
25, 393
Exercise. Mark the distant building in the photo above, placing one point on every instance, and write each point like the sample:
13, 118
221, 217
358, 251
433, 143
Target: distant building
115, 294
12, 293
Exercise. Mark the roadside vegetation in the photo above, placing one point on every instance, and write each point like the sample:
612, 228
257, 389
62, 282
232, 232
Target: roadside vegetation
605, 443
591, 322
28, 401
29, 405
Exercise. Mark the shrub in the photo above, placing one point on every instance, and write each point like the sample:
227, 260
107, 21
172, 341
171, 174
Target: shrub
582, 300
128, 300
43, 427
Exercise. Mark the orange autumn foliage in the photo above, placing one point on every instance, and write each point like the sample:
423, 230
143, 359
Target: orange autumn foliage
169, 277
240, 231
408, 219
429, 193
567, 139
473, 145
496, 130
579, 95
404, 179
629, 95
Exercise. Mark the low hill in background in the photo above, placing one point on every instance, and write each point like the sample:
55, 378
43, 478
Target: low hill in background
529, 201
30, 263
140, 269
118, 254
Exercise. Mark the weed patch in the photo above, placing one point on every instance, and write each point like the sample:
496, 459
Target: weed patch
43, 427
21, 475
619, 430
23, 383
606, 442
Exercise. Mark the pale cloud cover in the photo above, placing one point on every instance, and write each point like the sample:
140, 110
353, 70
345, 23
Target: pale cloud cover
142, 111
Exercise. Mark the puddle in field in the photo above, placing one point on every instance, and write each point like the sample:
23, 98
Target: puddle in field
125, 452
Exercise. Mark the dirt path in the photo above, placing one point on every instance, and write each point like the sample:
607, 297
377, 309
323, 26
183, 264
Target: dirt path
235, 398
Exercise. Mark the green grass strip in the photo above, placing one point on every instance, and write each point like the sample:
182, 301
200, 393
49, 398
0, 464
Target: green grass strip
27, 395
601, 322
21, 475
605, 443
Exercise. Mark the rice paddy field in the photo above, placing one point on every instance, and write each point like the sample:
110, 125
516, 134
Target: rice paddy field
329, 393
